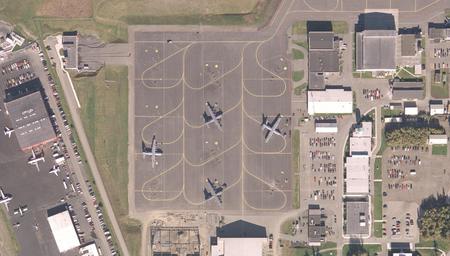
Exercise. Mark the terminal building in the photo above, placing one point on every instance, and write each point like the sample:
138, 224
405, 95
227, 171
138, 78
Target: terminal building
62, 228
29, 115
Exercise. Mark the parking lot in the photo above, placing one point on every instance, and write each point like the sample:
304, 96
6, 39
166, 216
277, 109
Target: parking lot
173, 82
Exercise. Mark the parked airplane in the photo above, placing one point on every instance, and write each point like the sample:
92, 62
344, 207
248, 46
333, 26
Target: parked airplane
213, 116
55, 169
5, 199
35, 160
21, 210
153, 151
216, 191
8, 131
272, 128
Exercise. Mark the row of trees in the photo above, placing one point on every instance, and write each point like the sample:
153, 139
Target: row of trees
410, 136
435, 223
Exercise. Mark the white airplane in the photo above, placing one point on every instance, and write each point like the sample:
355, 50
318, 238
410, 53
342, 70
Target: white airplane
153, 152
216, 191
5, 199
8, 131
214, 116
35, 160
21, 210
272, 128
55, 169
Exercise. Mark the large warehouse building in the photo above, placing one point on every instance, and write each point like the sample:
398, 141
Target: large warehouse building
62, 228
29, 116
333, 100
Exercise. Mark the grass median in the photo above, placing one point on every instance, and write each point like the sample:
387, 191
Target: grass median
296, 168
104, 113
8, 242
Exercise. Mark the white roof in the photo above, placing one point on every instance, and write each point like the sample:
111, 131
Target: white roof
438, 139
238, 247
357, 169
330, 101
402, 254
361, 145
63, 231
89, 250
365, 130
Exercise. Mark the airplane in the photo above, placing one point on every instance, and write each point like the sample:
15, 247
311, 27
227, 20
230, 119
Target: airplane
21, 210
35, 160
8, 131
216, 191
153, 152
272, 128
214, 116
5, 199
55, 169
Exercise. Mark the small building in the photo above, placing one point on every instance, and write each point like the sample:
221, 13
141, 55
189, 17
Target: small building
316, 225
438, 31
357, 175
29, 116
437, 108
326, 126
62, 228
410, 108
337, 100
89, 249
363, 130
408, 90
357, 218
438, 139
70, 48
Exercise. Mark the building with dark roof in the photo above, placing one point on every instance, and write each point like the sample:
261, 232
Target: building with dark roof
29, 116
408, 44
376, 42
439, 31
70, 48
316, 225
323, 57
408, 90
357, 218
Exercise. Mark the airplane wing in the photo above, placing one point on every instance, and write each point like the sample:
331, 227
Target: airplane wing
153, 160
34, 154
277, 122
3, 195
37, 166
6, 205
269, 135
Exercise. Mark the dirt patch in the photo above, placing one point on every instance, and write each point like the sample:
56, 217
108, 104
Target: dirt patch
66, 8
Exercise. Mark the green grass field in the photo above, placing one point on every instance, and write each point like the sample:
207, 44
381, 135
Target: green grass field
8, 242
439, 91
295, 168
286, 227
378, 229
340, 27
438, 243
378, 168
299, 28
440, 150
104, 114
301, 44
298, 75
370, 249
298, 90
378, 201
297, 54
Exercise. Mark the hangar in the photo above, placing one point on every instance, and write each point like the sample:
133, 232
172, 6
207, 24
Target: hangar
62, 228
29, 116
337, 100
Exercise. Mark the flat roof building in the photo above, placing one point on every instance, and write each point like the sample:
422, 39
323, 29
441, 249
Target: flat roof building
357, 218
29, 116
438, 31
326, 126
360, 146
89, 250
438, 139
408, 44
70, 48
330, 101
357, 175
324, 61
62, 228
321, 40
437, 108
375, 50
316, 225
408, 90
410, 108
323, 57
363, 130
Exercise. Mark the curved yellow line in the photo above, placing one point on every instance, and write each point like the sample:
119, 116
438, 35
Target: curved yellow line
267, 152
144, 83
161, 174
266, 96
203, 124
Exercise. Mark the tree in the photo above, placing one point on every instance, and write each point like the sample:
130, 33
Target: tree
435, 223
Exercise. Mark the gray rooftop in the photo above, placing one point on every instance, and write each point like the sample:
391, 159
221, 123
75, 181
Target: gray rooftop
357, 216
375, 50
408, 84
30, 120
70, 47
407, 94
321, 40
438, 32
323, 61
316, 81
326, 123
408, 45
